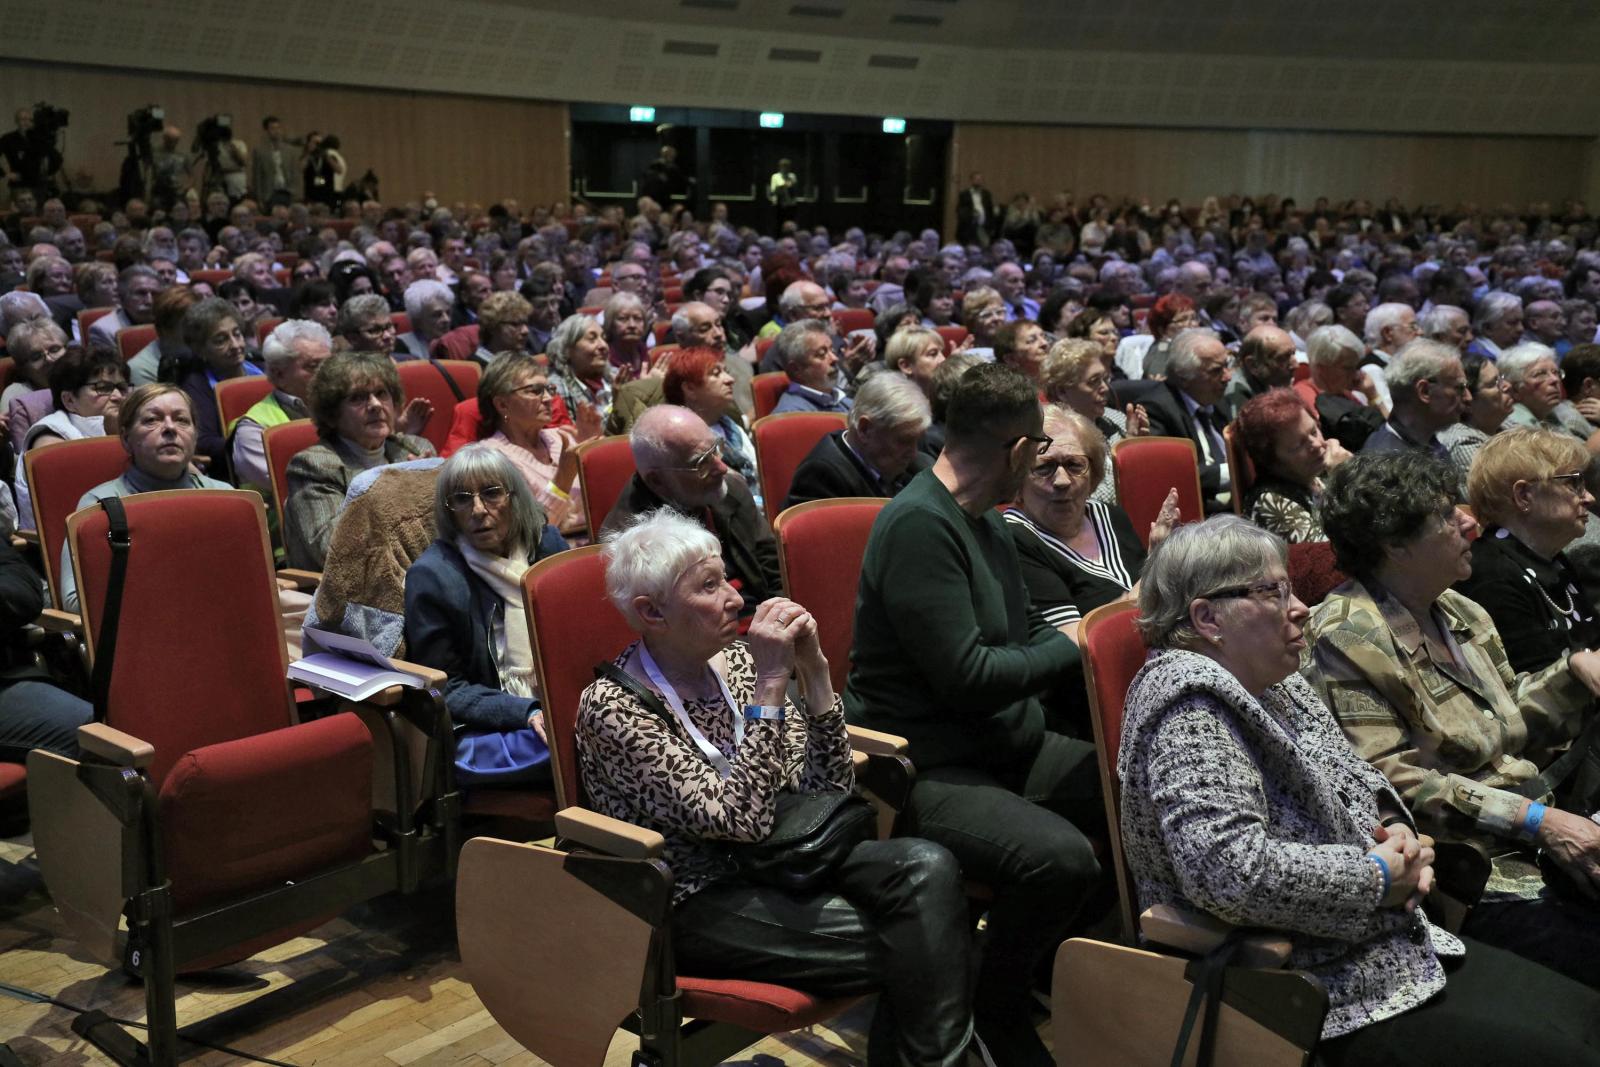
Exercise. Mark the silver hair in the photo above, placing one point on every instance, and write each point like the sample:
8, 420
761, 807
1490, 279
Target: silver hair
17, 307
356, 311
1196, 559
478, 465
1437, 321
1381, 318
1328, 345
681, 326
132, 272
22, 337
1516, 361
1305, 317
793, 298
564, 336
1183, 363
278, 349
1418, 360
891, 400
648, 556
419, 294
648, 438
791, 342
1493, 307
618, 302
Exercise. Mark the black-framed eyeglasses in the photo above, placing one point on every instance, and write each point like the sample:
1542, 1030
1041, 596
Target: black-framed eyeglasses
1254, 590
1044, 441
107, 388
1573, 481
491, 495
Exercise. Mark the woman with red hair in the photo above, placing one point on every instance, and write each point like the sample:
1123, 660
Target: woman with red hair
698, 379
1290, 455
1142, 356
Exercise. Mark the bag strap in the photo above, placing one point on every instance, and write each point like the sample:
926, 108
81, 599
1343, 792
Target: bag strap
449, 380
612, 673
1561, 769
1206, 974
106, 647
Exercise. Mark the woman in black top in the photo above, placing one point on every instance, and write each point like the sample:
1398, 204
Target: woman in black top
1527, 490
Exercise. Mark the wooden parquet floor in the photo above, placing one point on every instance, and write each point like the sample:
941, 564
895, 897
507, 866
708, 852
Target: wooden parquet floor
381, 985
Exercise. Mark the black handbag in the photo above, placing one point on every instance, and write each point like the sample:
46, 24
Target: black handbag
811, 832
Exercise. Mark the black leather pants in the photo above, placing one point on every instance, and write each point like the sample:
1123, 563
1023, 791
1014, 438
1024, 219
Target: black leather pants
893, 920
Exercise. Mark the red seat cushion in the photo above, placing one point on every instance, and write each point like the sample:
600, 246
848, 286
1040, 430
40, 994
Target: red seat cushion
756, 1006
242, 815
13, 779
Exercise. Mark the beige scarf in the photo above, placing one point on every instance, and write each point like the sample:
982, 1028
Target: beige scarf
509, 641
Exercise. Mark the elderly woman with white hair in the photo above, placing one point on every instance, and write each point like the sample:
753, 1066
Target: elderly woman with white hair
1496, 323
1338, 390
428, 306
464, 615
1536, 391
34, 346
690, 732
627, 332
579, 363
876, 454
1242, 801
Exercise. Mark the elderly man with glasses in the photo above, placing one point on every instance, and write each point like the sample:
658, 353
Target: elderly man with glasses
680, 466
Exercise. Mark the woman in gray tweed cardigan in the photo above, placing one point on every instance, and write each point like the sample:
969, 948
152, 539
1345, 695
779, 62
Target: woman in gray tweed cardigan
1242, 799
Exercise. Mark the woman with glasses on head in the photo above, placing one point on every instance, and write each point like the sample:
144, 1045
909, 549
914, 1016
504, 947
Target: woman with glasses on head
1243, 802
464, 613
1419, 678
516, 403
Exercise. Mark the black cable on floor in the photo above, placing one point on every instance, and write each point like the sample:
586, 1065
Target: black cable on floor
33, 997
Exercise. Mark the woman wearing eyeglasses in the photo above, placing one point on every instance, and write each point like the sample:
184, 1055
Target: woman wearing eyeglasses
88, 390
1076, 376
1243, 802
1483, 415
1419, 678
517, 403
464, 613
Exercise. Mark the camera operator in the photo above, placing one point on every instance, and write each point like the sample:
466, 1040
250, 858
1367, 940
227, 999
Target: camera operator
28, 153
226, 157
324, 170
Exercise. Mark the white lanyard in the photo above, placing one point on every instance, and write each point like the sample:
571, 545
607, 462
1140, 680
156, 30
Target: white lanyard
710, 751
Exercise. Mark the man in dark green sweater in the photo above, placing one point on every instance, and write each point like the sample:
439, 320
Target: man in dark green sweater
950, 654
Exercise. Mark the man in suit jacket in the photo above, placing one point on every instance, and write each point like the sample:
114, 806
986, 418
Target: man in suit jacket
1187, 404
877, 454
680, 466
976, 220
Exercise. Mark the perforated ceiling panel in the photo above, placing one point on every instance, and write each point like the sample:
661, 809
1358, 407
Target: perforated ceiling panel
1430, 65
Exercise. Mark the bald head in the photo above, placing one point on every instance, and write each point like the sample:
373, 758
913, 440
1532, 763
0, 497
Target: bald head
805, 300
677, 457
1267, 354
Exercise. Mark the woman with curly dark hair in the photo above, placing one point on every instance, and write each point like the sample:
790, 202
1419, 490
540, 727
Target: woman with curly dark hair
1418, 677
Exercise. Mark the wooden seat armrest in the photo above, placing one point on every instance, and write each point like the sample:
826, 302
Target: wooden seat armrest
605, 834
56, 621
124, 750
431, 676
299, 579
27, 537
876, 743
1198, 934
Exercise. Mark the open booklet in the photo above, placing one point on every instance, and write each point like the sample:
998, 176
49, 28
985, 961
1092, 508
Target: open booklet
350, 667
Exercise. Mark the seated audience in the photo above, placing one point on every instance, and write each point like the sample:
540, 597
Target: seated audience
940, 389
915, 352
1527, 490
876, 455
1242, 801
502, 325
950, 655
137, 287
579, 362
171, 305
805, 349
983, 313
1075, 377
1482, 416
293, 351
698, 379
1171, 315
88, 391
313, 299
1338, 391
679, 466
365, 325
428, 304
353, 398
214, 335
1094, 325
34, 347
1496, 323
516, 403
1021, 345
1536, 389
1418, 677
1290, 456
159, 432
627, 328
1428, 390
1266, 361
1186, 404
464, 615
892, 916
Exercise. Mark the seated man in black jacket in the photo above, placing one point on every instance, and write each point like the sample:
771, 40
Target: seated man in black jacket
1187, 404
680, 466
34, 713
877, 455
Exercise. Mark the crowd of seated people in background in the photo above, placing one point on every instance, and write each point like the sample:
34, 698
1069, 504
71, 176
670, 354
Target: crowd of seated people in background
1372, 367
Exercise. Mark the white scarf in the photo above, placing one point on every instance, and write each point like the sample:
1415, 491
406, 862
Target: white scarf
509, 641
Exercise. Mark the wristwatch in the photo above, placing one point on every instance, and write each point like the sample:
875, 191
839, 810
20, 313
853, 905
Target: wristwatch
764, 711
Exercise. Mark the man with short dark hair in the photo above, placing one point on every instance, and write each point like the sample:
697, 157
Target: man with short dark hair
950, 654
272, 167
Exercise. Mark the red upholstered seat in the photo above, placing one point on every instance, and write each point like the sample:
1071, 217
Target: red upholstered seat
1147, 470
605, 466
87, 318
426, 378
524, 805
847, 319
1313, 571
58, 476
756, 1006
13, 780
767, 388
782, 443
459, 344
264, 330
953, 336
132, 341
238, 395
281, 443
820, 546
1113, 652
401, 321
1242, 470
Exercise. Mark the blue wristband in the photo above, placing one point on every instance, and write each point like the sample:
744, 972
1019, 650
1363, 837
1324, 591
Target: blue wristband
1532, 821
1383, 869
770, 712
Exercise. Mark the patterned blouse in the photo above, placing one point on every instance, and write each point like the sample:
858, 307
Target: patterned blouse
644, 770
1255, 810
1462, 442
1289, 511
